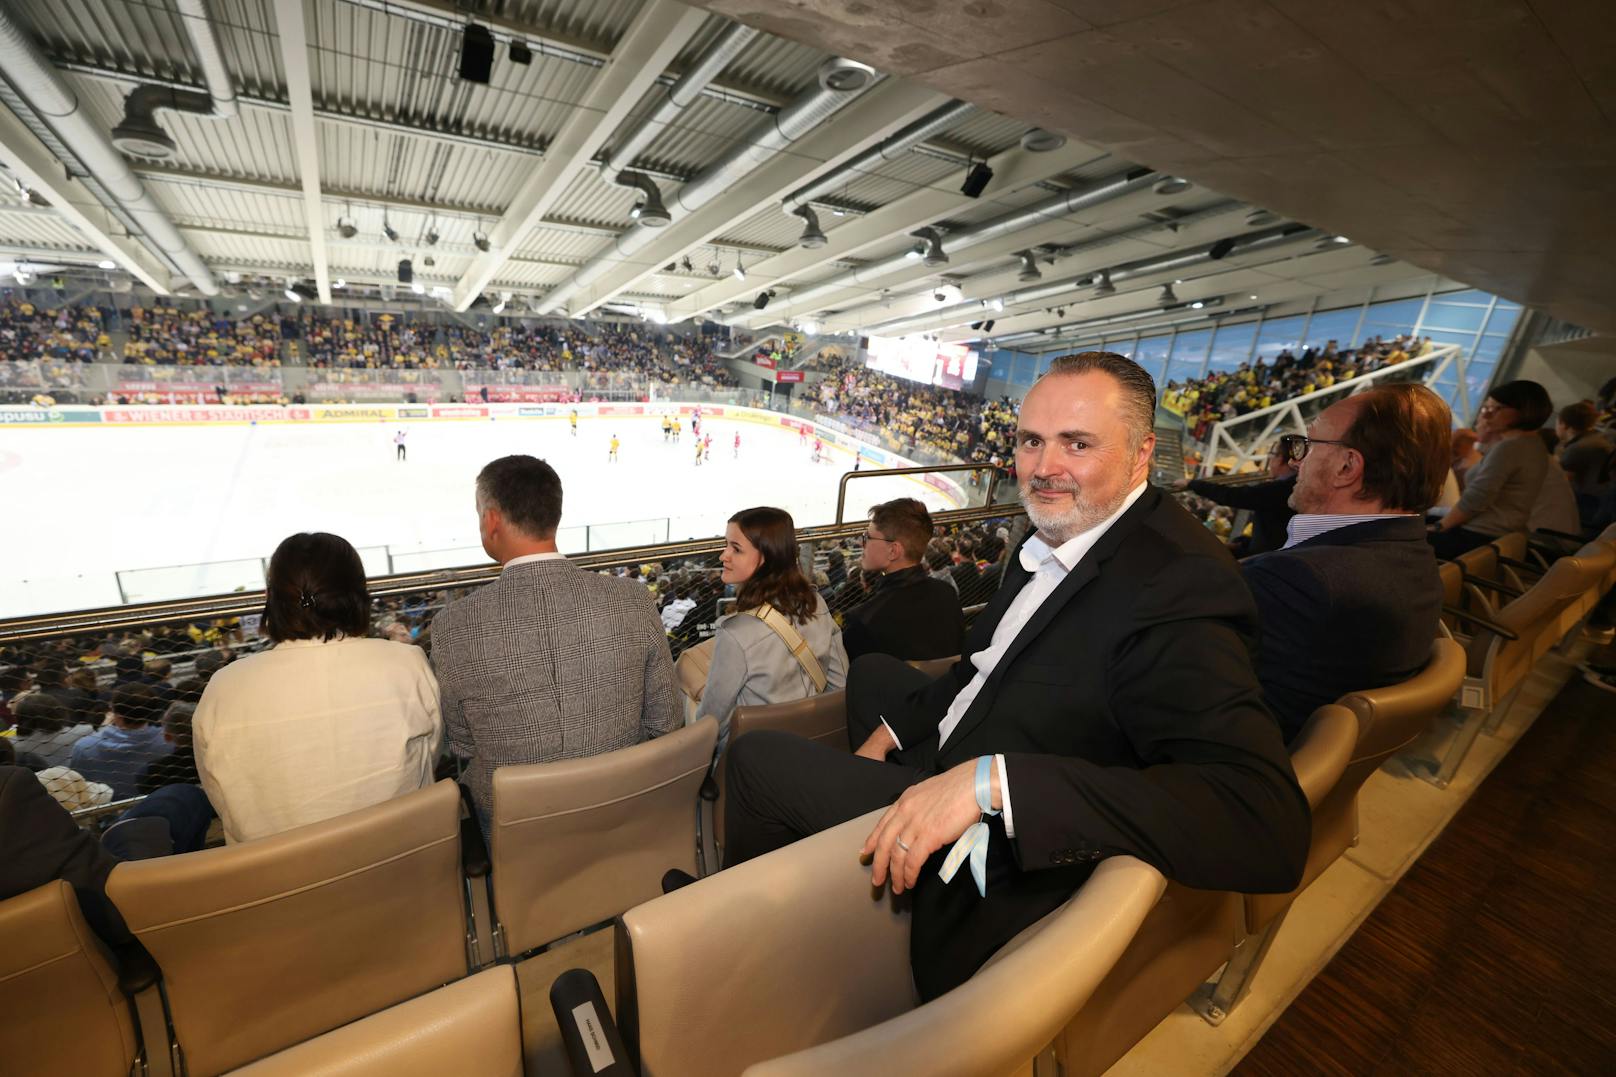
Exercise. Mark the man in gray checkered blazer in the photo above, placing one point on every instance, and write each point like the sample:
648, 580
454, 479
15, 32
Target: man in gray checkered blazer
548, 661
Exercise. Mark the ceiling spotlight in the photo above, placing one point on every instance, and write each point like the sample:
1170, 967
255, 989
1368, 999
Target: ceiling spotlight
1382, 260
1257, 218
684, 264
809, 328
1197, 305
107, 263
916, 251
1171, 185
841, 75
480, 240
417, 287
1103, 285
1038, 140
1168, 297
977, 180
714, 269
740, 270
339, 283
838, 211
996, 304
940, 297
346, 228
812, 238
431, 237
388, 230
429, 261
1029, 267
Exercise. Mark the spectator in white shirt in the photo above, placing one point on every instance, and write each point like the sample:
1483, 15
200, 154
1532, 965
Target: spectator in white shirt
325, 722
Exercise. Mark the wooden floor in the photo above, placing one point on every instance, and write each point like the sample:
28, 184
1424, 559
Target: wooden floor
1496, 953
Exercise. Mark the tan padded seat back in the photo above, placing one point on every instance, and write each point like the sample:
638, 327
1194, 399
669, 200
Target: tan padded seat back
271, 942
708, 982
1512, 545
1002, 1017
1481, 562
472, 1028
1601, 557
1535, 618
1181, 943
821, 718
63, 1010
577, 841
1452, 577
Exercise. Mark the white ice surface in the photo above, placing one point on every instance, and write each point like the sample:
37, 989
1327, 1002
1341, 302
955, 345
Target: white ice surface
87, 503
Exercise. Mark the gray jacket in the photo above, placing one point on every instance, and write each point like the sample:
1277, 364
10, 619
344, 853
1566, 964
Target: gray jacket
1501, 490
551, 662
751, 665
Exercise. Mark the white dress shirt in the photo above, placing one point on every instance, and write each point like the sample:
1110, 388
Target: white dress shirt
311, 729
1049, 566
553, 555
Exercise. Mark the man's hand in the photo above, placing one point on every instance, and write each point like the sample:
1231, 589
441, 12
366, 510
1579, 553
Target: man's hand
878, 744
927, 817
1179, 485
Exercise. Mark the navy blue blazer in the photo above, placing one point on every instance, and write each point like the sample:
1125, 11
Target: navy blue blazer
1350, 609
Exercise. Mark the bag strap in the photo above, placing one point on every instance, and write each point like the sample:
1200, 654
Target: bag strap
794, 643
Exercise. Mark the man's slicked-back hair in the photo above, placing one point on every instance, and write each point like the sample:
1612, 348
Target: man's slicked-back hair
1138, 387
525, 490
1404, 434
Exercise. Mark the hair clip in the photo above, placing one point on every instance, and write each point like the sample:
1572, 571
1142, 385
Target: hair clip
306, 599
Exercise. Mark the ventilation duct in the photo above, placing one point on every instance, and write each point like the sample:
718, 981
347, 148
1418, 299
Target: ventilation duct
1252, 242
139, 133
208, 54
650, 212
1067, 334
841, 81
1041, 212
48, 95
812, 237
888, 149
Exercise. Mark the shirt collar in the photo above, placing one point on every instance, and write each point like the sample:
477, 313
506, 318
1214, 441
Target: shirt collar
530, 558
1037, 551
1309, 525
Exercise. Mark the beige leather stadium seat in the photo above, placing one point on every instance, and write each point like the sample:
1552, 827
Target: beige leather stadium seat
1385, 721
821, 718
1188, 935
796, 955
271, 942
1489, 582
1497, 665
577, 841
64, 1012
472, 1028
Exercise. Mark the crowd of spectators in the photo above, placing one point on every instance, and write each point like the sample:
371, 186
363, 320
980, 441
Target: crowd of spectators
67, 334
200, 337
1224, 395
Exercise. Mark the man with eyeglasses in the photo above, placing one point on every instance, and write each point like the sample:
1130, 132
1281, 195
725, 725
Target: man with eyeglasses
1351, 601
909, 615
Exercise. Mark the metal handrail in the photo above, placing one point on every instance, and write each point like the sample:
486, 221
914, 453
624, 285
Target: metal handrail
927, 469
246, 603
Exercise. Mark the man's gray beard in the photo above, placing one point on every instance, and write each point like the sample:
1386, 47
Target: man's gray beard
1061, 528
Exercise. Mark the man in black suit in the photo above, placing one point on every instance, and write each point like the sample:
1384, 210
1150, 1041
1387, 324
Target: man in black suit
1352, 600
909, 615
1105, 705
1268, 501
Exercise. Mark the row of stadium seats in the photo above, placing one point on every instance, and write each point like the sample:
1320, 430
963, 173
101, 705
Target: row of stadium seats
334, 942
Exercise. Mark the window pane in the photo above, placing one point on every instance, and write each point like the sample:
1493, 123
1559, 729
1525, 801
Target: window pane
1025, 370
1189, 352
1473, 296
1152, 355
1388, 320
1336, 325
1001, 366
1231, 346
1450, 316
1279, 334
1122, 345
1502, 323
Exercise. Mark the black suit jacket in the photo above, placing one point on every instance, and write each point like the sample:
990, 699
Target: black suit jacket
910, 616
1131, 722
39, 842
1269, 503
1350, 609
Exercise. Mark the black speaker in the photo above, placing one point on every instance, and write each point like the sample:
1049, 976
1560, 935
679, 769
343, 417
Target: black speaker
987, 326
761, 301
521, 54
976, 180
406, 272
1220, 249
476, 54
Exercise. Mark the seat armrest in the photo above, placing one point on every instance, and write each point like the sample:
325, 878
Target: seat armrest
594, 1044
1492, 626
1489, 585
1536, 570
473, 846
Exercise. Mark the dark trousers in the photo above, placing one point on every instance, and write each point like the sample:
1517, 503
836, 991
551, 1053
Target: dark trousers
1450, 544
780, 788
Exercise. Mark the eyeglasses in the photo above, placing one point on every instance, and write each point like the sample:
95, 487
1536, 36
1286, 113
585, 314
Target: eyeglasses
1294, 447
1490, 408
874, 538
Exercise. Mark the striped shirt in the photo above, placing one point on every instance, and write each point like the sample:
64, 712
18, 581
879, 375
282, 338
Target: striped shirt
1306, 525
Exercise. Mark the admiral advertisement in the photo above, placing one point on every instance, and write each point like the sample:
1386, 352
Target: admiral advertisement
352, 414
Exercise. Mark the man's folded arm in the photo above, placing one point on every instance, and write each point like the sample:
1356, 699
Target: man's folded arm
1216, 805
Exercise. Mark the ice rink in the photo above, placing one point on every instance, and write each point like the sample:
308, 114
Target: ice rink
93, 507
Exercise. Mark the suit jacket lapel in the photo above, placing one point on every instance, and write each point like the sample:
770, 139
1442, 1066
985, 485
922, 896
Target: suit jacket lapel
1078, 578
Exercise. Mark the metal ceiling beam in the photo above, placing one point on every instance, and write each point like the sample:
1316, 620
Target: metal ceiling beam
36, 166
656, 36
305, 138
1012, 169
874, 115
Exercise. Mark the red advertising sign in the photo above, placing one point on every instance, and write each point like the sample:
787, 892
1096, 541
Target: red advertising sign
764, 360
203, 415
788, 375
622, 409
458, 411
529, 394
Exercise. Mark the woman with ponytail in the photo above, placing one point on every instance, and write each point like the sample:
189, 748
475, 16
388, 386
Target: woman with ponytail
328, 720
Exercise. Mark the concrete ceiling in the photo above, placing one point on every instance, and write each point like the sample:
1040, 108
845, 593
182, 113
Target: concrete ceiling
1472, 138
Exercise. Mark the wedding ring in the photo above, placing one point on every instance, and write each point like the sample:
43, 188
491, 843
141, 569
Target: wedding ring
903, 845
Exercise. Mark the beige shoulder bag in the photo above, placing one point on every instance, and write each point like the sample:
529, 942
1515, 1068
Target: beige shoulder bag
695, 662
